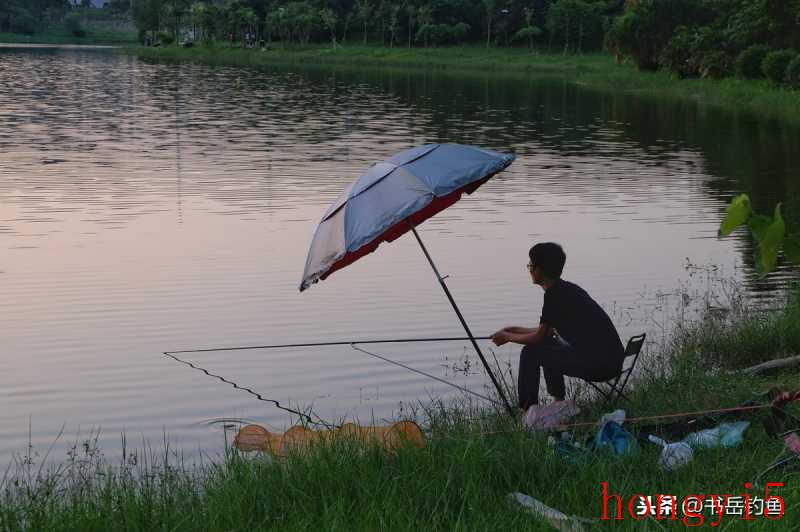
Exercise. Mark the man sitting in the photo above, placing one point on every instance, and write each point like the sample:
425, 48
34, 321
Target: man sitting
575, 336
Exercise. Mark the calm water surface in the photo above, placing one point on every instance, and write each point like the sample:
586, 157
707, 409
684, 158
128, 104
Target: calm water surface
146, 208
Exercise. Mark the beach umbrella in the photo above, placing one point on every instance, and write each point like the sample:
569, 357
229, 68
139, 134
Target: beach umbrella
393, 197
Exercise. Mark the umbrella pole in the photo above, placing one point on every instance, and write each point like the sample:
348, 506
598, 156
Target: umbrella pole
463, 322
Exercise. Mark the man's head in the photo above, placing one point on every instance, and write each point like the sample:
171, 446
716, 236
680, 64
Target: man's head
546, 262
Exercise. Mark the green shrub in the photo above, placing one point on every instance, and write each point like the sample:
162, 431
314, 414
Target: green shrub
165, 38
775, 65
677, 54
748, 63
74, 25
23, 23
715, 65
577, 24
645, 29
793, 73
437, 34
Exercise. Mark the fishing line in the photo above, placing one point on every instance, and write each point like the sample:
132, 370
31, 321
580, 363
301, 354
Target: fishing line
352, 344
434, 377
324, 344
257, 395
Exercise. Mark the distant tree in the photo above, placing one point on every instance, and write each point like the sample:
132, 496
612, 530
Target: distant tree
173, 13
648, 25
329, 19
529, 31
74, 25
348, 18
273, 21
424, 19
16, 18
384, 15
576, 22
394, 24
490, 6
411, 13
120, 7
147, 15
301, 16
246, 19
364, 8
204, 17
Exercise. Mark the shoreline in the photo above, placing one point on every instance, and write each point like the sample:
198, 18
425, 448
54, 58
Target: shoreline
10, 45
60, 37
599, 71
474, 458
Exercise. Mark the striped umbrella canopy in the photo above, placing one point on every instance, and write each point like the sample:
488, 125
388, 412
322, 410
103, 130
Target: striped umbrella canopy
394, 196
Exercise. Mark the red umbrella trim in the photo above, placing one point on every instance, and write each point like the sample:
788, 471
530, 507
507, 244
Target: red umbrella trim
402, 227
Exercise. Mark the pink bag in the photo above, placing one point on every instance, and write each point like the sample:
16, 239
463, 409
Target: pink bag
792, 442
546, 417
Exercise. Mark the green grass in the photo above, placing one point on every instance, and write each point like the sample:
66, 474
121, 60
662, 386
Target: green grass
59, 35
460, 481
743, 336
596, 70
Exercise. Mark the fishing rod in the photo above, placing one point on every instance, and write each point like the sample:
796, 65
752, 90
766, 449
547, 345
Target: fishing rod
352, 344
326, 344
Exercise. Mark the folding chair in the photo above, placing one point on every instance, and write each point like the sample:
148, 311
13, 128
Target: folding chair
612, 390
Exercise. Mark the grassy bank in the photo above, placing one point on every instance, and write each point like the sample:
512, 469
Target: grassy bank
597, 70
59, 35
459, 481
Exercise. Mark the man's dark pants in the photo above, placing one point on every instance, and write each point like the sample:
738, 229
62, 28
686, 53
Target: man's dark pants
557, 359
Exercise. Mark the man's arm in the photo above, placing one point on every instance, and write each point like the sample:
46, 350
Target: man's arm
519, 330
522, 335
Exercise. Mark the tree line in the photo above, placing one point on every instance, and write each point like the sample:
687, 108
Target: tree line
692, 38
32, 16
27, 16
712, 38
574, 25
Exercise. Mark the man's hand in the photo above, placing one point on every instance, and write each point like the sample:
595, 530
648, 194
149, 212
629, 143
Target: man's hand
500, 337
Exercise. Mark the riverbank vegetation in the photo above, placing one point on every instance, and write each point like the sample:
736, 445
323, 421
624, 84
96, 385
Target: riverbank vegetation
64, 22
689, 38
461, 480
758, 97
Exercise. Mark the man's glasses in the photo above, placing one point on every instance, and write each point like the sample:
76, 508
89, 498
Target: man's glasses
530, 267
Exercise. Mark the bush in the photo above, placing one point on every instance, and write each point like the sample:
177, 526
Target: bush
793, 73
715, 65
775, 65
645, 29
577, 24
437, 34
677, 54
748, 64
23, 23
74, 25
165, 38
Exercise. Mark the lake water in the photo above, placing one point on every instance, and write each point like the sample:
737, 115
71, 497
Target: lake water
147, 208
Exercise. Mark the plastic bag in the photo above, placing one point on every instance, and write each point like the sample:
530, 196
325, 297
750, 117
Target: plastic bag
723, 435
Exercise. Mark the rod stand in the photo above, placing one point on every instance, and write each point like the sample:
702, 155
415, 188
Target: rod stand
463, 321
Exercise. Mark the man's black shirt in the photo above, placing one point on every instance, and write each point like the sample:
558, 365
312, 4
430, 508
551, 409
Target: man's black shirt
582, 322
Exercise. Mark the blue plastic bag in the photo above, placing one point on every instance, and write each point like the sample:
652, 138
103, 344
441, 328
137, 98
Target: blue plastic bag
614, 437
